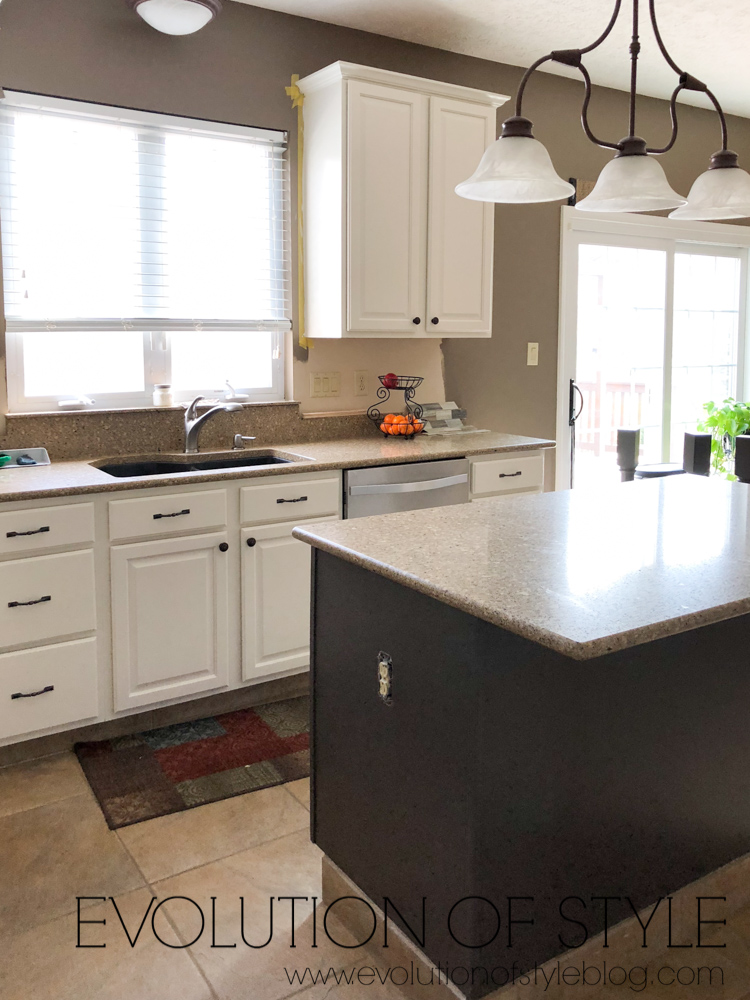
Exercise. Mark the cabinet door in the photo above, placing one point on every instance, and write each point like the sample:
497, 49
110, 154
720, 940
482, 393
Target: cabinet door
460, 232
169, 618
275, 600
387, 209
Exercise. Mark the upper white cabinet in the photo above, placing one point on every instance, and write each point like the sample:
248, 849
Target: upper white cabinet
390, 248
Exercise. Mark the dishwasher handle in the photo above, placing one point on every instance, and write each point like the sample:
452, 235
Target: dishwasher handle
413, 487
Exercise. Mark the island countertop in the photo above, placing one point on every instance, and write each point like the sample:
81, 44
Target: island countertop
582, 572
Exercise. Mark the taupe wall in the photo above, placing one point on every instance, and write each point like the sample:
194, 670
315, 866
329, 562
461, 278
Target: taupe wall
236, 69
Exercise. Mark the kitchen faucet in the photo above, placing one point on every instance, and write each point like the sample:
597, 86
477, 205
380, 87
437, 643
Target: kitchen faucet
194, 423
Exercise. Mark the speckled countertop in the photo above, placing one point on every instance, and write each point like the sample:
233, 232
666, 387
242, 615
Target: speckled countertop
581, 572
76, 477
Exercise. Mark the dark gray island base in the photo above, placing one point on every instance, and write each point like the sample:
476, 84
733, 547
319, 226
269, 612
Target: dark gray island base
507, 777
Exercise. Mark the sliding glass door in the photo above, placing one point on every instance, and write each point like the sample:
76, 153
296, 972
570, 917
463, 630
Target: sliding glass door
651, 329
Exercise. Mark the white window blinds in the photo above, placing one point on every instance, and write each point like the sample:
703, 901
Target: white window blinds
140, 221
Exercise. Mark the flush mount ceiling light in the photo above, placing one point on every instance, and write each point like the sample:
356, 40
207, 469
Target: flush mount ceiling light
517, 169
176, 17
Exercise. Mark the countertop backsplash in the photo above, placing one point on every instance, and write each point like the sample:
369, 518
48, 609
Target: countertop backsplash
91, 433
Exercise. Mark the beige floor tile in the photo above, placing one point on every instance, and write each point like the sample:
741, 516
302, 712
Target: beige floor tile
300, 790
39, 782
289, 866
51, 854
45, 964
172, 844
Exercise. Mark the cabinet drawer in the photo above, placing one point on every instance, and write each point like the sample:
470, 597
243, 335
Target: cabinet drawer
43, 597
505, 474
172, 514
56, 685
285, 501
40, 528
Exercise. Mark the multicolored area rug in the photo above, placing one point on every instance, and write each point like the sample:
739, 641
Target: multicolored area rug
189, 764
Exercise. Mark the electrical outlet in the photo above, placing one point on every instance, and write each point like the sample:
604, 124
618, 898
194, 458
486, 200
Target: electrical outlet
325, 384
532, 354
385, 677
361, 380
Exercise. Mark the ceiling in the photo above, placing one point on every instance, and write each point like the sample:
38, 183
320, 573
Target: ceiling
707, 39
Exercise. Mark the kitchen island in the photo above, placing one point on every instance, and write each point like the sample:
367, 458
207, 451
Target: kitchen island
524, 705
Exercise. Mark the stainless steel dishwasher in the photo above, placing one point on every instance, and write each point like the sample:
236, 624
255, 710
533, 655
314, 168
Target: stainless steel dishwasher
385, 489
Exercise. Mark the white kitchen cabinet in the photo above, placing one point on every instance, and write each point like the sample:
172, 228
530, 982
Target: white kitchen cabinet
390, 248
275, 599
460, 232
170, 618
387, 215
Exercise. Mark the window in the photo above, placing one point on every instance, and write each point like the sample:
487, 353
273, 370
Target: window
653, 324
139, 249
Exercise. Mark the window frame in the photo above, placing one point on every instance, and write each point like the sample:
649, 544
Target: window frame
156, 332
649, 233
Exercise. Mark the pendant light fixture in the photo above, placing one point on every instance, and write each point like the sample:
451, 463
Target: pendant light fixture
176, 17
517, 169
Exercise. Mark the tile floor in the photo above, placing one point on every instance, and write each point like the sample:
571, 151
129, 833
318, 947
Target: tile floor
55, 846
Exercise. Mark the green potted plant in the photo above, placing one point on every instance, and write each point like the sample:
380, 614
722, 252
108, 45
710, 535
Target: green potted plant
725, 423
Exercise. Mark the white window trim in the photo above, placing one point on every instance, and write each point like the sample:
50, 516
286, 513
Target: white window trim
156, 332
646, 232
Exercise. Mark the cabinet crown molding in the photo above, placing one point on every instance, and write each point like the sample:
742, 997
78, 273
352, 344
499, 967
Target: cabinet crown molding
371, 74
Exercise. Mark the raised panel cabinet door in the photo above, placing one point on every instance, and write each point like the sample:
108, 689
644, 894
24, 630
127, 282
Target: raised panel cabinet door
275, 600
387, 209
460, 232
169, 618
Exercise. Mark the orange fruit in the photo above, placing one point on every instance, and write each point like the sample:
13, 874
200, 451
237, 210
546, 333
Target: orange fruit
388, 418
418, 426
399, 419
384, 427
409, 429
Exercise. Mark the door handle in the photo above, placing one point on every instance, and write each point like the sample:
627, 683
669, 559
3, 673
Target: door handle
417, 487
27, 604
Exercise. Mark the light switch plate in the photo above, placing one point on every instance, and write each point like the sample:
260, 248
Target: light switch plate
325, 384
532, 354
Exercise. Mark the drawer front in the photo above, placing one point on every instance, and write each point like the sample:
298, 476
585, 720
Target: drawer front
43, 597
40, 528
280, 501
505, 474
48, 686
172, 514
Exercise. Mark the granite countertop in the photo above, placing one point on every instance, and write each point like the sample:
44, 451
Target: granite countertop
582, 572
76, 477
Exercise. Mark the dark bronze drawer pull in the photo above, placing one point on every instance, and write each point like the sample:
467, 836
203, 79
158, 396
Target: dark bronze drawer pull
297, 500
177, 513
32, 694
509, 475
17, 534
26, 604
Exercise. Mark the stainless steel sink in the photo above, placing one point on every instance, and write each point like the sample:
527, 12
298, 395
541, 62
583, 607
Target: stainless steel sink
137, 467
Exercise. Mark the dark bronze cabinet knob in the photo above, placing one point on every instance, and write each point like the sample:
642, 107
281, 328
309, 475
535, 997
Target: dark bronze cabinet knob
416, 321
223, 547
251, 542
434, 320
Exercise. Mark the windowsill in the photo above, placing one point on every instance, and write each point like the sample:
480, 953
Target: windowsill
92, 411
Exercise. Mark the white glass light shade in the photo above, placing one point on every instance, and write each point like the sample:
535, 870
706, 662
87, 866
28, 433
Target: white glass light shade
631, 184
515, 169
175, 17
721, 193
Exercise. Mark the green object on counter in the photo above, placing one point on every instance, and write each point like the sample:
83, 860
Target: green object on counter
5, 460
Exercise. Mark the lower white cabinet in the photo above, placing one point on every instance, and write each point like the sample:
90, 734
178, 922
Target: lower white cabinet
275, 599
170, 618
